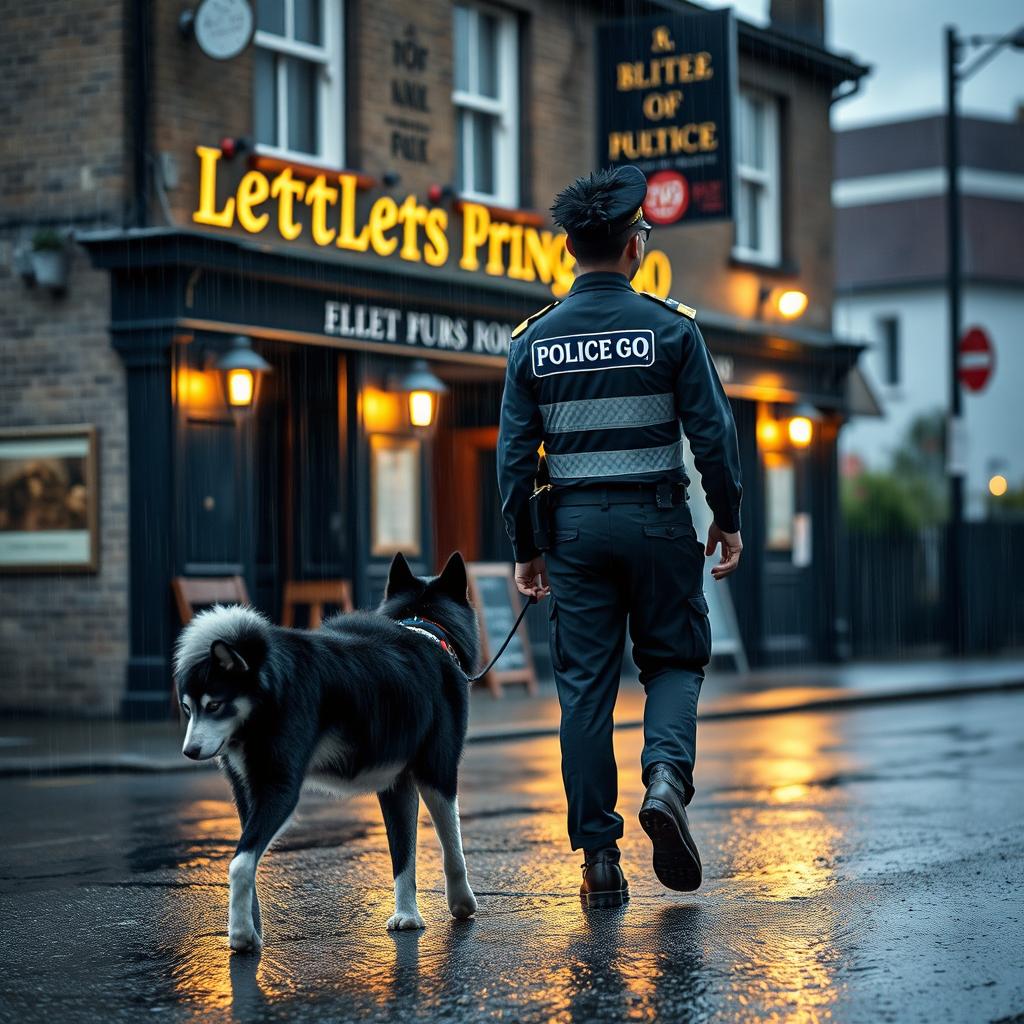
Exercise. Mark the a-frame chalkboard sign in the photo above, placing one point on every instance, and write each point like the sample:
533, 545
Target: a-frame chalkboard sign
497, 604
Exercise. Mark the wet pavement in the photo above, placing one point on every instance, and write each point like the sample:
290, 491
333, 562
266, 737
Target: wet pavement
862, 865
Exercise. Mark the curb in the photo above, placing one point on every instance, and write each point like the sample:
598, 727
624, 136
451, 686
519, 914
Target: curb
130, 764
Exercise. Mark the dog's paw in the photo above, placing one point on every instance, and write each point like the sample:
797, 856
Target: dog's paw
401, 921
245, 940
462, 902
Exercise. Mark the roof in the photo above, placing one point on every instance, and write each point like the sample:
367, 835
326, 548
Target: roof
918, 143
890, 195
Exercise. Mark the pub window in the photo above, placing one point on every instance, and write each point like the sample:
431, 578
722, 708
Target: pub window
889, 334
758, 206
298, 109
486, 104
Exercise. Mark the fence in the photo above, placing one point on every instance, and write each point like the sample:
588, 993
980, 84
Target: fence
896, 590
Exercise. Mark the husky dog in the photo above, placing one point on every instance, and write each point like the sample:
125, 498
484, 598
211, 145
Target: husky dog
372, 702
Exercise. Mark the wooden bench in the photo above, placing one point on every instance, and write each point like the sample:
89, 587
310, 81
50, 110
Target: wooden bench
316, 594
193, 592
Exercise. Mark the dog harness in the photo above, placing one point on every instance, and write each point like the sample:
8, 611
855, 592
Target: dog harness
432, 631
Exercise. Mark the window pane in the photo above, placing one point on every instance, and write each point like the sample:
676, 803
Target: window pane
307, 21
890, 330
752, 133
756, 152
483, 153
461, 116
487, 55
748, 222
265, 98
755, 201
302, 106
461, 49
270, 16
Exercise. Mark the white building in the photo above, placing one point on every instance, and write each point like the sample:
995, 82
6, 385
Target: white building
890, 193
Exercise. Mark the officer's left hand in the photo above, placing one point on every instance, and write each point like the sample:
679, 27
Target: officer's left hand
532, 578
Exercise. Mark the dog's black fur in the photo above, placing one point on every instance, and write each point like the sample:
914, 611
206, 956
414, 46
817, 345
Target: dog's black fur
341, 705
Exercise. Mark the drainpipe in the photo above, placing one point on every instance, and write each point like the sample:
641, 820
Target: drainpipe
140, 102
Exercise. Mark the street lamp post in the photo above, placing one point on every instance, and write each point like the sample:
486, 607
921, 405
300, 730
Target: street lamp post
955, 441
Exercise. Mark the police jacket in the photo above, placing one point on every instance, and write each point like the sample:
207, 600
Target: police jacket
604, 378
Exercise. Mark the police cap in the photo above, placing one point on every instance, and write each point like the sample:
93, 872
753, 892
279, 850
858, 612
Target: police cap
602, 204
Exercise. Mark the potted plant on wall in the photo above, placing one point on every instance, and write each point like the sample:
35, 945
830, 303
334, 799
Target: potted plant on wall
50, 262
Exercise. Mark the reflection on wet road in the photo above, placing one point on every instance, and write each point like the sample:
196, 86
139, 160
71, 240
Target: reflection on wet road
858, 866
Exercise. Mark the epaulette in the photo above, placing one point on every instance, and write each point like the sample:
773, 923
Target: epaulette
672, 304
529, 320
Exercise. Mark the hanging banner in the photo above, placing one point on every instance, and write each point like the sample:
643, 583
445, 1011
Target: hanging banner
665, 95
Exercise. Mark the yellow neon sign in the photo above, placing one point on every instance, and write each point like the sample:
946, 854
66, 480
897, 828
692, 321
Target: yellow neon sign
408, 229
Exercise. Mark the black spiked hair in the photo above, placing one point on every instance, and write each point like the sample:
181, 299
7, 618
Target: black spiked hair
585, 208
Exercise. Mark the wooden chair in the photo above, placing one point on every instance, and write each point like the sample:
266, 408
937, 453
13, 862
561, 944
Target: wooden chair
192, 592
315, 594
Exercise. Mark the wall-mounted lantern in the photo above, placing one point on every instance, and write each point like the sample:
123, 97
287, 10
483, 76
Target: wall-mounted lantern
422, 388
801, 425
775, 433
789, 303
241, 368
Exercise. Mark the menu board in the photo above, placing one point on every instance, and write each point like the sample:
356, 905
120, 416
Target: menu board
498, 604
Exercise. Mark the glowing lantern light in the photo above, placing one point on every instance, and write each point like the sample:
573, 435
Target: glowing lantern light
801, 430
421, 408
242, 368
422, 387
997, 485
792, 303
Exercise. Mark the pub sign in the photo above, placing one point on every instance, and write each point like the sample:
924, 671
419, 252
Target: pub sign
665, 88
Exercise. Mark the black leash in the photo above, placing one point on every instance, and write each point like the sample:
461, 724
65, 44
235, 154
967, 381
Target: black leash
501, 649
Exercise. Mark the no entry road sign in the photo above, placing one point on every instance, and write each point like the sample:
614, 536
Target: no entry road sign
977, 359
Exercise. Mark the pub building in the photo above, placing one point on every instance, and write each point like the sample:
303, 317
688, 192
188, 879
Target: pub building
313, 300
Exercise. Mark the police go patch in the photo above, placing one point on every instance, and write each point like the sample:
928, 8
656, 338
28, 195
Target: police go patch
579, 353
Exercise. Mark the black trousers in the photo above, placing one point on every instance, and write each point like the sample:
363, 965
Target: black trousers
611, 563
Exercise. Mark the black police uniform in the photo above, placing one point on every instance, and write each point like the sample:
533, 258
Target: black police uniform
603, 378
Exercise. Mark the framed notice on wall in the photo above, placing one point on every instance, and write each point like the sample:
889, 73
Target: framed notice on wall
49, 509
395, 495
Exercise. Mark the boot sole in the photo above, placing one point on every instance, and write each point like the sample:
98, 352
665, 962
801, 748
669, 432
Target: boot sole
605, 900
676, 861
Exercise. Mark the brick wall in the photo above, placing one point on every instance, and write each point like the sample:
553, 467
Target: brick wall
196, 101
63, 638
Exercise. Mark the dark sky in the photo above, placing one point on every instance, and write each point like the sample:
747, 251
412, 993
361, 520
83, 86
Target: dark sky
903, 40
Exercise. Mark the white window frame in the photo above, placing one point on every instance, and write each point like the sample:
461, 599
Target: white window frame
767, 179
505, 107
330, 127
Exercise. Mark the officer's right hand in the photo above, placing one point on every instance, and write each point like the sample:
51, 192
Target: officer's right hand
732, 545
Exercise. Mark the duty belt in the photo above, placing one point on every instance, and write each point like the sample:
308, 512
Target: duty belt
665, 495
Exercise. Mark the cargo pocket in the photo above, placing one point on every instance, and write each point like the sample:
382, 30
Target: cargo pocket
700, 628
554, 635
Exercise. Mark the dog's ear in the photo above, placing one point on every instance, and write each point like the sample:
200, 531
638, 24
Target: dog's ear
401, 579
227, 657
453, 579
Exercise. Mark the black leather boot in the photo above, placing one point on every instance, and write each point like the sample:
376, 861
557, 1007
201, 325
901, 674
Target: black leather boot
663, 818
603, 882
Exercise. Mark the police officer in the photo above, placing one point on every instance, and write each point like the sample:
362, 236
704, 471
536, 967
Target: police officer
603, 379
